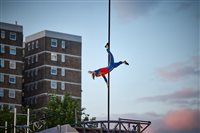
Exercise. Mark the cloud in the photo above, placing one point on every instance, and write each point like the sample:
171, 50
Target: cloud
131, 9
186, 96
178, 121
182, 120
182, 69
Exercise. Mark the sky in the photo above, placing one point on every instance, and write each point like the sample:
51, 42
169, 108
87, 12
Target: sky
160, 40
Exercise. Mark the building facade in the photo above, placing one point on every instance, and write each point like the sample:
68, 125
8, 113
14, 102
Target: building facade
52, 66
11, 65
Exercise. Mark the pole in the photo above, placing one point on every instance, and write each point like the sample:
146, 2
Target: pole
6, 125
15, 112
108, 63
28, 114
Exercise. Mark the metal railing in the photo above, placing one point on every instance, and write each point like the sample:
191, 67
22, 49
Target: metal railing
116, 126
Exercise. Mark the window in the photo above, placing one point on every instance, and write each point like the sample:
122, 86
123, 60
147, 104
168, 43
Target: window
11, 93
12, 50
1, 77
32, 59
62, 98
1, 106
36, 44
28, 74
62, 71
1, 63
12, 36
53, 84
28, 60
36, 86
2, 49
36, 58
63, 44
62, 85
1, 92
53, 56
35, 100
53, 71
29, 47
63, 58
36, 72
32, 73
3, 34
53, 43
12, 79
32, 45
11, 107
12, 65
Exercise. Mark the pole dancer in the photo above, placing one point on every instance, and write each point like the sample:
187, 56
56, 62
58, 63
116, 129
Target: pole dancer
105, 70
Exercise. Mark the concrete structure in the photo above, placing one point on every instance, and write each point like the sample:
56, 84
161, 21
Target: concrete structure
11, 65
52, 65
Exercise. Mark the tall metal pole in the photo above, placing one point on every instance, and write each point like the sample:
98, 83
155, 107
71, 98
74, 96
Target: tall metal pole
108, 63
28, 116
15, 119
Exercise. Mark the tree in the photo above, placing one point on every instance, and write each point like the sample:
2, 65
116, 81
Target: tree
61, 112
7, 115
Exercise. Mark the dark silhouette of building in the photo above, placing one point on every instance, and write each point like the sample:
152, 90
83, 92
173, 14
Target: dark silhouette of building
52, 66
11, 65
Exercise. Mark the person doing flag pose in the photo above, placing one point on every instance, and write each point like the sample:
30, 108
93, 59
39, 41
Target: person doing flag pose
105, 70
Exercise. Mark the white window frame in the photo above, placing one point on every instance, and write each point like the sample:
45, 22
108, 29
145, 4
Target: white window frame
36, 72
13, 34
1, 92
62, 72
53, 43
62, 57
1, 77
29, 48
1, 63
52, 71
3, 34
62, 85
36, 58
11, 93
12, 65
35, 100
33, 45
36, 44
53, 84
53, 56
10, 77
13, 50
2, 49
63, 44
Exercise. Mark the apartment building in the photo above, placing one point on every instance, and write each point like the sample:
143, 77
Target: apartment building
52, 66
11, 65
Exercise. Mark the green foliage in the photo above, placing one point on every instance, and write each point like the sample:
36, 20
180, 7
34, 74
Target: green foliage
62, 112
7, 115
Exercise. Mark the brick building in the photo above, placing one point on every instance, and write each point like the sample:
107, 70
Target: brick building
11, 65
52, 65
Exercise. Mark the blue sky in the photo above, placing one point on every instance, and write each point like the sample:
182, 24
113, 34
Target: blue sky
159, 39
